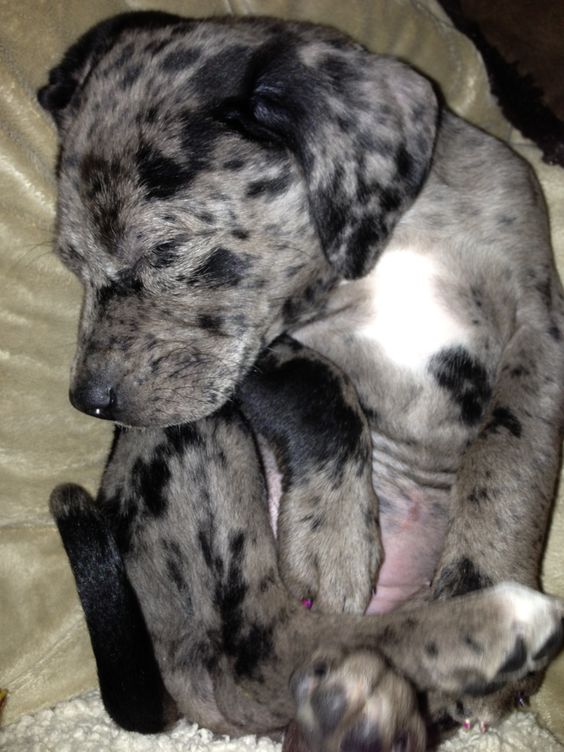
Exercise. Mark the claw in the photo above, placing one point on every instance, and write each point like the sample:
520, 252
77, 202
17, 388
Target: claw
521, 700
484, 727
467, 725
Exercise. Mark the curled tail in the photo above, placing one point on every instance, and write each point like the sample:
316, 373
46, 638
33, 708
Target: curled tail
130, 681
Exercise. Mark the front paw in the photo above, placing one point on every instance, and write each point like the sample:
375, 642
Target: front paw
331, 554
509, 633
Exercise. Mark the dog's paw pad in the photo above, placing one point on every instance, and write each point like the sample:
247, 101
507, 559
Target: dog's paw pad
356, 703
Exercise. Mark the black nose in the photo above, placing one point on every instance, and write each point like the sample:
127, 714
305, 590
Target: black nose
94, 399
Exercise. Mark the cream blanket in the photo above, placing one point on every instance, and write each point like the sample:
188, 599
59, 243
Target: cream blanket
45, 655
83, 725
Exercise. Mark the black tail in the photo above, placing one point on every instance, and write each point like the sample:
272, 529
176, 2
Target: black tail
130, 682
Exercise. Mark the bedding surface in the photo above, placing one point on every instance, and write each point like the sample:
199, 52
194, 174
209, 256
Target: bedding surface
45, 655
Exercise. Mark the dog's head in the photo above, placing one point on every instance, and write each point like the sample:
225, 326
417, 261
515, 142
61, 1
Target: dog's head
216, 178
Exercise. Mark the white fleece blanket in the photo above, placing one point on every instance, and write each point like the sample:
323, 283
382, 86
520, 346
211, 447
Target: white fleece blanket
82, 724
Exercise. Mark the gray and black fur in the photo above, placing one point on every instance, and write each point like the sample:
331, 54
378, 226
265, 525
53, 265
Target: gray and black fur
232, 195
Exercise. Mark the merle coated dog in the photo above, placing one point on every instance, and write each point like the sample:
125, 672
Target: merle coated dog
306, 285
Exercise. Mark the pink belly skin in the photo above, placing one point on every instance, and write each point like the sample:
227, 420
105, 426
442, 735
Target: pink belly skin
413, 531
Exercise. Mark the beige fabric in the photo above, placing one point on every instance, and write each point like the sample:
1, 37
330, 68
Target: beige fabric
81, 725
44, 649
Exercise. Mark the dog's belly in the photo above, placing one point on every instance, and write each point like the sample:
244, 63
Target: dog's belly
414, 496
413, 523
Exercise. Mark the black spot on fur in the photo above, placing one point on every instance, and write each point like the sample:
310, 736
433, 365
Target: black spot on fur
504, 418
198, 135
180, 59
125, 55
253, 648
517, 371
341, 73
175, 572
248, 643
152, 114
298, 405
465, 378
69, 256
334, 203
183, 436
480, 688
177, 568
122, 288
404, 162
431, 649
205, 541
459, 579
150, 480
317, 523
553, 643
156, 46
99, 182
270, 187
161, 176
218, 73
122, 513
234, 164
474, 646
516, 659
390, 200
210, 323
223, 268
165, 254
130, 76
544, 288
479, 494
367, 233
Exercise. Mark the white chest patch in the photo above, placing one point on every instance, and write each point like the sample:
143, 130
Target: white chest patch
405, 317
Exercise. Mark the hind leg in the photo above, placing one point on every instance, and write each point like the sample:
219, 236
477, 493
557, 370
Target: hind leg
503, 492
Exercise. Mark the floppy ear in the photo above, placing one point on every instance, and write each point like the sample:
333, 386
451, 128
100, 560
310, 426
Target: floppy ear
68, 78
361, 125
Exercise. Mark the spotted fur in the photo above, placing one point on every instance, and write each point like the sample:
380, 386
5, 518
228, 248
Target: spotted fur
224, 184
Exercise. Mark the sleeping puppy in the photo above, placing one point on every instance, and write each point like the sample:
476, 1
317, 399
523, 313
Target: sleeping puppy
319, 304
